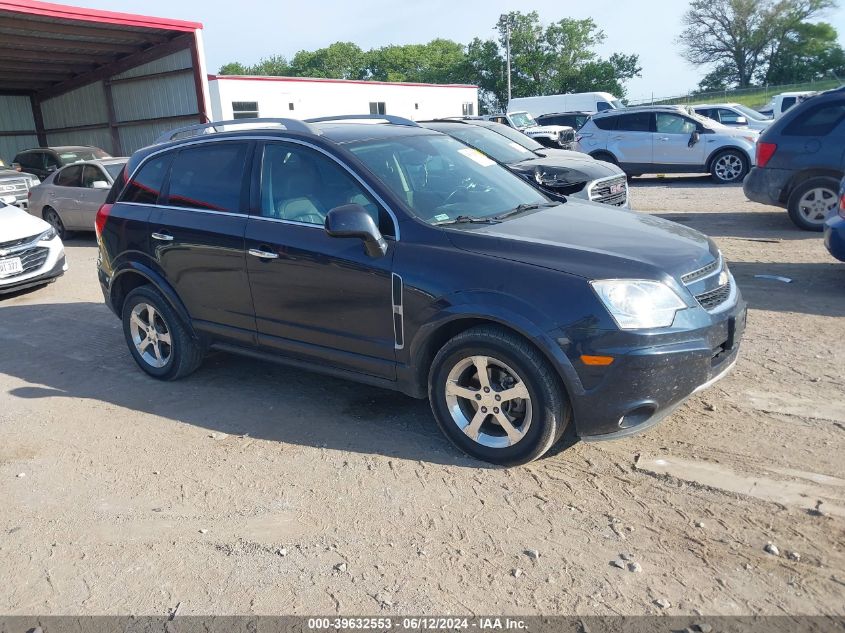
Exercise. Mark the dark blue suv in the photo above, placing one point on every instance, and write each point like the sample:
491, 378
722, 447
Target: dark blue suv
800, 158
397, 256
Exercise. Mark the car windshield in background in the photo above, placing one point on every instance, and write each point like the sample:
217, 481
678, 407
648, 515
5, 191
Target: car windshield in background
441, 179
82, 154
517, 137
114, 169
752, 114
523, 119
494, 145
617, 104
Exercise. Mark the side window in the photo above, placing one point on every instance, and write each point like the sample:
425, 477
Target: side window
208, 177
787, 103
91, 174
378, 107
606, 122
30, 160
69, 177
299, 184
50, 160
635, 122
820, 120
673, 124
601, 106
728, 117
146, 185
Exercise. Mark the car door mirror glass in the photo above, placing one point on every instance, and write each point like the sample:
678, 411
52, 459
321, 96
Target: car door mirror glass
352, 220
741, 120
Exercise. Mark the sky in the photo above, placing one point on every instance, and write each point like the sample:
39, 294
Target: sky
247, 30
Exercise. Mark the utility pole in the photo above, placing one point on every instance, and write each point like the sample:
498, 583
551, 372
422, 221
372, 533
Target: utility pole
508, 48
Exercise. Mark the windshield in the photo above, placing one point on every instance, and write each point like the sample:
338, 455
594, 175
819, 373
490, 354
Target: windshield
441, 179
751, 114
514, 135
114, 169
617, 104
494, 145
82, 154
522, 119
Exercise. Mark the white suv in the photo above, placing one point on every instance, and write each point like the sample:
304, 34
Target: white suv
555, 136
668, 139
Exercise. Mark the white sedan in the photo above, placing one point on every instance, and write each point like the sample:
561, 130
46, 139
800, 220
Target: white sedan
31, 252
70, 197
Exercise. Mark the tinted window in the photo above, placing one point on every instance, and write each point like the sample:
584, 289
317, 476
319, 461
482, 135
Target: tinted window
299, 184
91, 174
76, 155
69, 177
728, 117
208, 177
601, 106
517, 137
673, 124
146, 185
819, 120
787, 103
635, 122
494, 145
52, 161
114, 169
32, 160
606, 122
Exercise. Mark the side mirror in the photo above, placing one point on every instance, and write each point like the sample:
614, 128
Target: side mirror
693, 139
352, 220
15, 166
100, 184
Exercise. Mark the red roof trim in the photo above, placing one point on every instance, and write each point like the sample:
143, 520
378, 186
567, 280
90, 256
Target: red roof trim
334, 81
50, 10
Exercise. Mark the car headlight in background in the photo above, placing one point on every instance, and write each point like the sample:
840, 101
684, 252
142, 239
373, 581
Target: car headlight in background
47, 235
638, 303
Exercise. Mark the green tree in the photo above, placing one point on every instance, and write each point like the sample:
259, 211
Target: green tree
485, 67
341, 60
810, 52
233, 68
438, 61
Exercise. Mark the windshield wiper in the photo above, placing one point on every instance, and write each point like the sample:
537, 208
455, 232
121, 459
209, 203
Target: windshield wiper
522, 208
468, 219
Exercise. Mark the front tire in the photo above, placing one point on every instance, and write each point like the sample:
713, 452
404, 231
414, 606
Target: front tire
157, 339
729, 167
52, 218
496, 398
812, 202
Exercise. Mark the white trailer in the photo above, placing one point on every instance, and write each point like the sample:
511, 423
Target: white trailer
571, 102
238, 96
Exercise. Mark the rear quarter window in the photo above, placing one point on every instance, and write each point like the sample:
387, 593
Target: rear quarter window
606, 123
818, 120
145, 187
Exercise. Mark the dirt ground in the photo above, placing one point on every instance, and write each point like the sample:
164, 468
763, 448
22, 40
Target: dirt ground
250, 488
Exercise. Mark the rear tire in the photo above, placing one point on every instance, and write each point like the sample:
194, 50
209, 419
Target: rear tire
157, 338
510, 416
729, 167
52, 218
812, 202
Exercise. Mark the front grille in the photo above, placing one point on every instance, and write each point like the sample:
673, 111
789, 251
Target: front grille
24, 240
700, 273
18, 187
567, 136
603, 191
712, 299
31, 259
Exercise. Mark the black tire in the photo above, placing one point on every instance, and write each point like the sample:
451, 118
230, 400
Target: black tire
52, 218
729, 166
549, 407
606, 157
810, 215
183, 354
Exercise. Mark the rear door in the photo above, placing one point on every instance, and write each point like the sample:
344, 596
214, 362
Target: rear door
631, 142
197, 235
317, 296
673, 141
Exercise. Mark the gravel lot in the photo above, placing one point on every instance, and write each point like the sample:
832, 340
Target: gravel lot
250, 488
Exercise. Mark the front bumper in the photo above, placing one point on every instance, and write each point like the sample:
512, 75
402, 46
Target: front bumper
651, 375
43, 276
834, 237
767, 186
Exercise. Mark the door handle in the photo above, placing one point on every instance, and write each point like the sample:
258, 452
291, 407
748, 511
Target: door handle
163, 237
262, 254
662, 138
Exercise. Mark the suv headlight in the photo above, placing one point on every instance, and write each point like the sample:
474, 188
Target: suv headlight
47, 235
638, 303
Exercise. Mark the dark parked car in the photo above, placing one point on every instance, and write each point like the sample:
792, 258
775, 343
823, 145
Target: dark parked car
800, 158
43, 161
399, 257
834, 228
572, 174
570, 119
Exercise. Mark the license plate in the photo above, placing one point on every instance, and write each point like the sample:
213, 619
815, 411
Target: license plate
10, 266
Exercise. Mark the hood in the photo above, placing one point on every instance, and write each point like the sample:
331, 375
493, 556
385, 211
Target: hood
568, 169
594, 241
16, 224
738, 132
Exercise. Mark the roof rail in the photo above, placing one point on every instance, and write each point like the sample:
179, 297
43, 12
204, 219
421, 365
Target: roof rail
393, 120
293, 125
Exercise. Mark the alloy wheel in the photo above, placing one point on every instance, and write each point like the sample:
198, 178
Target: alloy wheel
55, 221
150, 335
488, 401
817, 204
729, 167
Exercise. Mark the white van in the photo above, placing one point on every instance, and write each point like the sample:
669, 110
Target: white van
572, 102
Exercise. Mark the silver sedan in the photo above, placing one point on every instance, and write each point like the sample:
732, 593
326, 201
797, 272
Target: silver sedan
69, 198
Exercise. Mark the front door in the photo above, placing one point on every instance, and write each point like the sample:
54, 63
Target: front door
197, 236
91, 198
315, 296
673, 144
